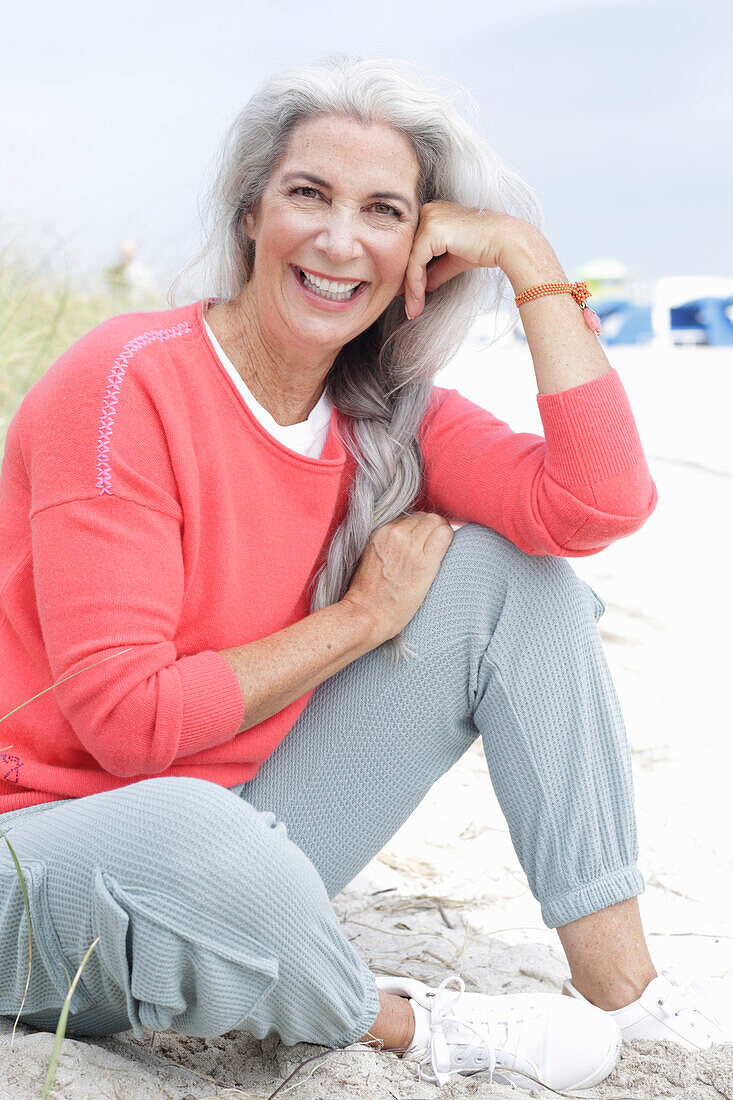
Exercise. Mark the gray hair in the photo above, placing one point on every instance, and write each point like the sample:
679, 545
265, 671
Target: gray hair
383, 378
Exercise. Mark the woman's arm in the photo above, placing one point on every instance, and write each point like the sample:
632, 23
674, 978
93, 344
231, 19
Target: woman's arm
569, 493
565, 352
276, 670
452, 238
586, 482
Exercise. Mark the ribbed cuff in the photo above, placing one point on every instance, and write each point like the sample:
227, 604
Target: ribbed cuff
590, 431
366, 996
213, 705
616, 886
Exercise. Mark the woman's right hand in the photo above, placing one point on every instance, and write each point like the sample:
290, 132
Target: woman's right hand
398, 566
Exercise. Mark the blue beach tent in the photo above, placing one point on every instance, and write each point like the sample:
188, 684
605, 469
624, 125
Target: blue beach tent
707, 315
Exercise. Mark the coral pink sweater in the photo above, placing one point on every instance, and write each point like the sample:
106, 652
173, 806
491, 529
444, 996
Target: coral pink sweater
144, 508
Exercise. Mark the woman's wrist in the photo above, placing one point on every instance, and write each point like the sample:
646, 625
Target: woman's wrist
530, 260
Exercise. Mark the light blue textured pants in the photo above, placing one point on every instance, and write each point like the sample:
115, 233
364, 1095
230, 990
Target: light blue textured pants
212, 906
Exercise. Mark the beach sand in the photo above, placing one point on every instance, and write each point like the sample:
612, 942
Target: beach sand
448, 895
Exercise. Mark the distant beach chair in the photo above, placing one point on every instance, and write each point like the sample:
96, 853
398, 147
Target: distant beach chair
693, 310
705, 315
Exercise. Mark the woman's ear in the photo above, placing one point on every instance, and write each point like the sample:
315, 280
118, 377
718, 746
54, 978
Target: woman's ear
250, 225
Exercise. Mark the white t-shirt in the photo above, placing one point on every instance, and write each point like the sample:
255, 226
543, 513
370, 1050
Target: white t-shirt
307, 438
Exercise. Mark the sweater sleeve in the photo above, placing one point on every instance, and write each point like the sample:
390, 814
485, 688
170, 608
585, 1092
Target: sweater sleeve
106, 525
569, 493
109, 577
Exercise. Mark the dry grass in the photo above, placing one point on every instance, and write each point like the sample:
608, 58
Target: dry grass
40, 318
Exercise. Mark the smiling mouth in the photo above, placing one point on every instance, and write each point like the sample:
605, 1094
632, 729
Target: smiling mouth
329, 295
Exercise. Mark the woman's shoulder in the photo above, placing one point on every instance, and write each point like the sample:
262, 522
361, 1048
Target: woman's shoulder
106, 353
126, 334
100, 418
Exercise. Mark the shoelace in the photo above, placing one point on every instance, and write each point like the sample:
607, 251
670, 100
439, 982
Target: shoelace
687, 996
439, 1049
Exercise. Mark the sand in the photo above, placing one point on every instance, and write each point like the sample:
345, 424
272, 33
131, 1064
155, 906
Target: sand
447, 895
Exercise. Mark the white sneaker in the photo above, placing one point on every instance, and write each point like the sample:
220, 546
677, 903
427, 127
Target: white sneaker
507, 1036
671, 1007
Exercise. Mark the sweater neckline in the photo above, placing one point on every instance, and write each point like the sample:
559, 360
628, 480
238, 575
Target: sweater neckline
333, 455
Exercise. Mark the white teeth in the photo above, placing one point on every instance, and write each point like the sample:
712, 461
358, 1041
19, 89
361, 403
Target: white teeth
328, 288
330, 284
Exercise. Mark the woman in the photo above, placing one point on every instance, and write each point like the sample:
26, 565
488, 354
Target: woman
216, 517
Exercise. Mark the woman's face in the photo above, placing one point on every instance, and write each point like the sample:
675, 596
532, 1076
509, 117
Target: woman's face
342, 205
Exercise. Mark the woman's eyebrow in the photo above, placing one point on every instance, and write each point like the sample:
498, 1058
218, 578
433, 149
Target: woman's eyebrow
323, 183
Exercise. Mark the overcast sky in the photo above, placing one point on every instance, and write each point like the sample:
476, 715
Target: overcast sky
618, 112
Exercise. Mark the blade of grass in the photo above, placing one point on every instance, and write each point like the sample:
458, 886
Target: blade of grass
63, 681
61, 1026
30, 941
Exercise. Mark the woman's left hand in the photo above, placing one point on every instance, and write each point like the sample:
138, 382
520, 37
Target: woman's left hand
462, 237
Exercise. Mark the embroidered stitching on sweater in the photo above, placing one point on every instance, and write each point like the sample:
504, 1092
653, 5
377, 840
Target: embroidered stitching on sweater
116, 375
16, 763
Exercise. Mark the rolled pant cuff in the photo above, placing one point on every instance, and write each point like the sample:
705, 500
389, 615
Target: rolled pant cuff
371, 1011
616, 886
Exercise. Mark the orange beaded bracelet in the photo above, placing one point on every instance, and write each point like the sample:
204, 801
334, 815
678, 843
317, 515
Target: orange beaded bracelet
579, 291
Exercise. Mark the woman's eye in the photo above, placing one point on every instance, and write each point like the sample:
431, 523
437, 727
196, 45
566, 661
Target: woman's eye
387, 207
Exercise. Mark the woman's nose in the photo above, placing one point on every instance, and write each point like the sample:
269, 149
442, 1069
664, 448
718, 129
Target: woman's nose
339, 238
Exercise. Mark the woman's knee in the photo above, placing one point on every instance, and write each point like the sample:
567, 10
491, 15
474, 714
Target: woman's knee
473, 577
190, 832
180, 835
472, 574
485, 581
479, 556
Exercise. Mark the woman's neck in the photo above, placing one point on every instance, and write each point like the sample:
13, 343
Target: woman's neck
286, 393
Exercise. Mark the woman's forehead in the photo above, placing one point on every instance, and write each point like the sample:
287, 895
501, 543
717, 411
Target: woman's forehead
336, 147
